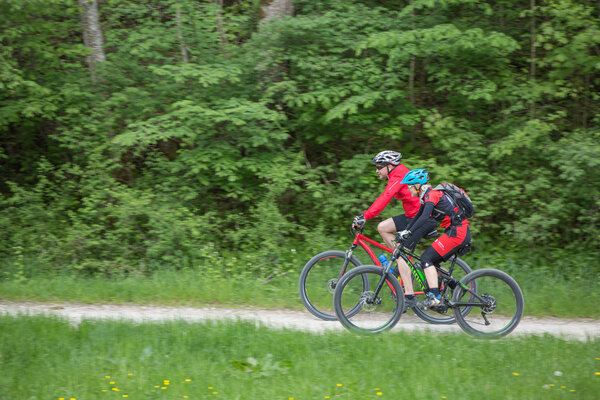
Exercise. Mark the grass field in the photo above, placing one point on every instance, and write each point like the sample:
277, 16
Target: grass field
47, 358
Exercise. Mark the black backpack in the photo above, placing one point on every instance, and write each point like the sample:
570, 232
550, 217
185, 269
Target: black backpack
460, 198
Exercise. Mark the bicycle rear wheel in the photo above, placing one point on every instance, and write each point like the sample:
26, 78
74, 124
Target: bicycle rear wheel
441, 315
496, 304
357, 307
318, 280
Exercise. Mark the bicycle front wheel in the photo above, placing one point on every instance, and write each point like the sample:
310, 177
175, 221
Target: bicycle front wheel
496, 304
365, 309
318, 280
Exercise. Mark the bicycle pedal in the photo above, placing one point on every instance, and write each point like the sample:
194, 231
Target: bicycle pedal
441, 309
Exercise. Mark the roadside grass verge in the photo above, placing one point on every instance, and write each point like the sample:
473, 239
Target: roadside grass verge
545, 295
46, 357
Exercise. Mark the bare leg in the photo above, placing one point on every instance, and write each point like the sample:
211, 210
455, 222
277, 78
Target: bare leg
406, 276
387, 230
432, 277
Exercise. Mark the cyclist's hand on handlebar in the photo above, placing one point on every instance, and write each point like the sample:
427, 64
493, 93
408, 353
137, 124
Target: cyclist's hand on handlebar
402, 236
358, 221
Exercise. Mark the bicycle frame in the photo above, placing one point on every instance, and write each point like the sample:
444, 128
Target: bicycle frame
364, 241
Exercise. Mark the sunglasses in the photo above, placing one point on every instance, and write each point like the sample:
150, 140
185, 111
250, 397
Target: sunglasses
379, 167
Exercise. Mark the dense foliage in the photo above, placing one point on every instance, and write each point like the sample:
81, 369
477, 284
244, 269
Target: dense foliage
205, 126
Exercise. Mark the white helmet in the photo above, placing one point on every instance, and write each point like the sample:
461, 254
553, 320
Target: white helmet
387, 157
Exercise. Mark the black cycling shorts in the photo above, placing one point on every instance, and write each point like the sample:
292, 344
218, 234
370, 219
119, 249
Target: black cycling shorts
401, 222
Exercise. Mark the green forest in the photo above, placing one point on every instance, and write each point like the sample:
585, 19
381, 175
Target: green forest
147, 135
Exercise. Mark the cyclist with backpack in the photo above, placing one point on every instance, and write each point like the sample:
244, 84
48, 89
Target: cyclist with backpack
389, 167
448, 205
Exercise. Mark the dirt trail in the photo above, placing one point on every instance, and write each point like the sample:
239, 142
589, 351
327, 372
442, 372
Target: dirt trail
579, 329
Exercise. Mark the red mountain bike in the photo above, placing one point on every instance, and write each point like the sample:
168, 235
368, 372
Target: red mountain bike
321, 274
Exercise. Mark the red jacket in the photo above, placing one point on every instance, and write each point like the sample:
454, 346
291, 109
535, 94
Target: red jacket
398, 190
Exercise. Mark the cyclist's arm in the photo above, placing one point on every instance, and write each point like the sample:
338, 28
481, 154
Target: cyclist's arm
382, 201
422, 216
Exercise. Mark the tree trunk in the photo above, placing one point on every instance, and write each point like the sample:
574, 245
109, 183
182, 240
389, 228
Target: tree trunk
270, 9
220, 28
532, 55
184, 54
92, 34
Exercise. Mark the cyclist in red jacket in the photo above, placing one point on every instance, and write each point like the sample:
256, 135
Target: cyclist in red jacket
389, 167
434, 204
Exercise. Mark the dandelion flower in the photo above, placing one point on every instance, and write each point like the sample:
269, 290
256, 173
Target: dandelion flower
563, 387
112, 383
597, 373
210, 388
339, 385
125, 395
215, 392
115, 389
130, 374
107, 377
515, 373
379, 394
188, 380
163, 388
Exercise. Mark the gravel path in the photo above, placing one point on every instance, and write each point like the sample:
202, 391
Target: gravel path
579, 329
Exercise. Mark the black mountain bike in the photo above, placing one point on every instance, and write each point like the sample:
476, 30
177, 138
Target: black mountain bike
485, 302
321, 275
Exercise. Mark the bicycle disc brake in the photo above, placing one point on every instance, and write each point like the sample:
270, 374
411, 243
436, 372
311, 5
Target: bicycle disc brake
491, 304
368, 303
331, 284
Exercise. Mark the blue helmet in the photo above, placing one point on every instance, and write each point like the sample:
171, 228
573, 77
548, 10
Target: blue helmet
416, 176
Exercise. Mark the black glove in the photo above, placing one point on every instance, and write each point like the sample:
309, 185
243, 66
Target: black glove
359, 221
